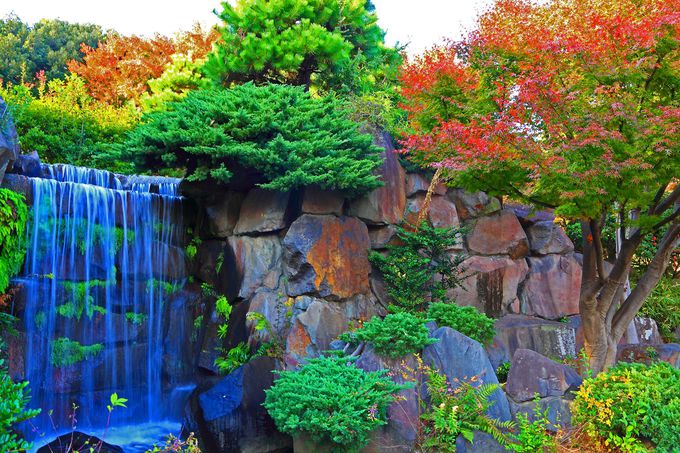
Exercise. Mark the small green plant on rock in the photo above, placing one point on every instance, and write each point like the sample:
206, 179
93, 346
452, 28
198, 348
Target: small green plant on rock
66, 352
502, 372
13, 216
466, 320
14, 396
420, 269
331, 401
397, 335
533, 436
136, 319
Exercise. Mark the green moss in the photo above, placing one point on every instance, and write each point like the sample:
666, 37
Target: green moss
13, 216
85, 233
82, 300
66, 352
136, 318
158, 285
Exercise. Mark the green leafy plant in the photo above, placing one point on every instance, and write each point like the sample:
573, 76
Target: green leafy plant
13, 400
13, 216
136, 319
630, 405
279, 137
419, 269
397, 335
663, 306
533, 436
176, 445
466, 320
457, 412
502, 372
67, 352
233, 358
331, 401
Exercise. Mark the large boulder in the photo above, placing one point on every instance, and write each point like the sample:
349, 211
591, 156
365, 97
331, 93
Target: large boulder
28, 165
546, 237
9, 141
401, 432
257, 263
498, 234
461, 358
441, 212
327, 256
481, 443
384, 205
473, 204
556, 409
222, 214
417, 183
319, 201
533, 374
229, 416
264, 211
553, 286
490, 284
669, 352
549, 338
78, 441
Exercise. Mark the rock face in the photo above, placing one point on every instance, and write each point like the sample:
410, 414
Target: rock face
552, 289
471, 205
78, 441
461, 358
326, 256
401, 433
230, 417
558, 411
441, 213
669, 352
533, 374
546, 237
481, 443
491, 284
257, 263
417, 183
9, 142
549, 338
319, 201
263, 211
223, 214
384, 205
499, 234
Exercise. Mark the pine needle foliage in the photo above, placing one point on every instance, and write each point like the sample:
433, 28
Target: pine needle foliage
274, 135
466, 320
332, 401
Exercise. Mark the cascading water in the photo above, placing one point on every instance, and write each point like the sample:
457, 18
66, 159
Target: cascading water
103, 276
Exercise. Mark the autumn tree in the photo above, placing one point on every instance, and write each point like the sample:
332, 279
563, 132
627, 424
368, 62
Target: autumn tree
299, 42
570, 105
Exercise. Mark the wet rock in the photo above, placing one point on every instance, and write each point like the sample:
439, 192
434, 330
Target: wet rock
78, 441
669, 352
384, 205
257, 263
481, 443
264, 211
557, 410
441, 212
400, 434
533, 374
499, 234
319, 201
417, 183
381, 236
490, 284
28, 165
9, 141
327, 256
462, 358
207, 260
19, 184
546, 237
471, 205
552, 288
549, 338
229, 416
223, 214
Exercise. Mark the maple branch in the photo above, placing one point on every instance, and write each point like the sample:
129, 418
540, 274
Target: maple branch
599, 252
669, 201
657, 199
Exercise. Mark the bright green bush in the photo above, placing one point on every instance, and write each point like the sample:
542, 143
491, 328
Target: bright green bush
332, 401
630, 404
13, 400
66, 352
663, 306
322, 44
274, 135
466, 320
457, 412
420, 269
533, 436
396, 335
13, 216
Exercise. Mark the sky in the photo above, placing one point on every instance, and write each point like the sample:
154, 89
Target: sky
420, 23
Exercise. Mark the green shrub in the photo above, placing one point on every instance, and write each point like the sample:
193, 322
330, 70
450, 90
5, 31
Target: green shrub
631, 404
396, 335
332, 401
458, 412
13, 216
275, 135
13, 400
66, 352
502, 372
420, 269
533, 437
663, 306
466, 320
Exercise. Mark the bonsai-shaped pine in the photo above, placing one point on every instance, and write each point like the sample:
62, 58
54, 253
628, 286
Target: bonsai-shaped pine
325, 44
331, 401
276, 136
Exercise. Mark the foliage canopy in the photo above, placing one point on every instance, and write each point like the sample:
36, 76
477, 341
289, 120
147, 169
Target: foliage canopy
275, 135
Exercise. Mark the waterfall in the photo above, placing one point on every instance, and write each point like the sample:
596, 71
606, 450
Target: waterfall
102, 281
